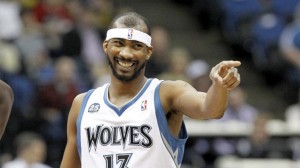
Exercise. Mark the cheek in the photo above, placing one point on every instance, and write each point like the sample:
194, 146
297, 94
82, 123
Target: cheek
143, 54
112, 51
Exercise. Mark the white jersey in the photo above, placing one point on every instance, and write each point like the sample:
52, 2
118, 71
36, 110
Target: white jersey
135, 135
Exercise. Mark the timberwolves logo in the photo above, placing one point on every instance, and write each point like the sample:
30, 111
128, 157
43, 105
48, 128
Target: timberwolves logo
130, 33
94, 108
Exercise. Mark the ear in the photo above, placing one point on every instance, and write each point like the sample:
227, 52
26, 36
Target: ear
104, 45
149, 50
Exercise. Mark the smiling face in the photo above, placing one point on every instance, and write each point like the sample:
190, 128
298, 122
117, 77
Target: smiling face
128, 47
127, 59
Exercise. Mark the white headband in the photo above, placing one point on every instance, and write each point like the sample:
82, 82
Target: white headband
129, 34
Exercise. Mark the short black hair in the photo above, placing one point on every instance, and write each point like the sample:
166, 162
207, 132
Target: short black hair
131, 19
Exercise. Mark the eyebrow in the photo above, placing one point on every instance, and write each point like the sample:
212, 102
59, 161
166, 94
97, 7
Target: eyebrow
123, 40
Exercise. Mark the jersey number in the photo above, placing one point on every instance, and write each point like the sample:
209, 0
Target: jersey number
122, 159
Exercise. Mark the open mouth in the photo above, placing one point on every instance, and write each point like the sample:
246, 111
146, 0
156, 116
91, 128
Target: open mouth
125, 63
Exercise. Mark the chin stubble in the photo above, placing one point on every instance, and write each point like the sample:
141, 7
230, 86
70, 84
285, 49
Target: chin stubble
124, 78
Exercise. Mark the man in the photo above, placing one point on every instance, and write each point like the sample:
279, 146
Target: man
135, 121
6, 102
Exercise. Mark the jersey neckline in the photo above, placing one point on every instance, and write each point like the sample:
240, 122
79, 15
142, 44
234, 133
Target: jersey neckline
119, 110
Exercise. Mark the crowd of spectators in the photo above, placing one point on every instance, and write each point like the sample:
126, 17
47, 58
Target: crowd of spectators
49, 50
265, 34
262, 32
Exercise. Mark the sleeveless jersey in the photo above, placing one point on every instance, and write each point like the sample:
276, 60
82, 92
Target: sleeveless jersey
133, 136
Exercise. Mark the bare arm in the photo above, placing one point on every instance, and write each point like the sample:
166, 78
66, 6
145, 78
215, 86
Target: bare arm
71, 157
6, 102
292, 55
182, 97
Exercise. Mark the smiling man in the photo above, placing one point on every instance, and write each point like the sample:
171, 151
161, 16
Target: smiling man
135, 121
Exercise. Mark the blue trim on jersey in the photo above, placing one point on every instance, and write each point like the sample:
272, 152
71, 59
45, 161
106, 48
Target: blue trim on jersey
79, 118
131, 102
174, 143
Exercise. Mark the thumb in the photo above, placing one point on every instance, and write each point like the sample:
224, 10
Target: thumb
223, 71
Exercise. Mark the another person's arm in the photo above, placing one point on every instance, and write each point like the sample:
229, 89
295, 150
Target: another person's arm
71, 157
6, 102
182, 97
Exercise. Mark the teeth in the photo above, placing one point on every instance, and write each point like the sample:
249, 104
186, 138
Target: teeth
125, 64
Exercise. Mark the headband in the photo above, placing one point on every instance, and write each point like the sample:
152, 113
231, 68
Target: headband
129, 34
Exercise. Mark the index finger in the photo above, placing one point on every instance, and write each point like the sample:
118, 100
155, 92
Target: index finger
228, 64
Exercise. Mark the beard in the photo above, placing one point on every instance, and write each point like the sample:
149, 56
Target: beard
124, 78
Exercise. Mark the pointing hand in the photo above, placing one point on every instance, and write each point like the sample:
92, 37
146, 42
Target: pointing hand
226, 74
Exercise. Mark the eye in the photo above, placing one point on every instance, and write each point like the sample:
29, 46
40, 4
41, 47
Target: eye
138, 46
117, 43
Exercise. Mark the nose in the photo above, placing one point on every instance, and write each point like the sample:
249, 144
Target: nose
126, 52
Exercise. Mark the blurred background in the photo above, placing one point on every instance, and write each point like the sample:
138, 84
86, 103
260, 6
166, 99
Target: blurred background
51, 50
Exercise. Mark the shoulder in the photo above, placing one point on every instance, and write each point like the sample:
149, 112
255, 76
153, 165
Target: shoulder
79, 98
5, 86
76, 105
169, 86
174, 82
6, 90
172, 90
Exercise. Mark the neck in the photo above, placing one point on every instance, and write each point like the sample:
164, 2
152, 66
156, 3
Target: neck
121, 88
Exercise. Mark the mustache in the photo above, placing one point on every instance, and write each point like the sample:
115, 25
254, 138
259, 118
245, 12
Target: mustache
124, 59
126, 79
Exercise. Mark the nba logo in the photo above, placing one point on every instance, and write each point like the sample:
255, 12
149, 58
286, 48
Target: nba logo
130, 33
144, 105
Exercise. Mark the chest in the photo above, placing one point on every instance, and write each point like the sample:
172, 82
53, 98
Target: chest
131, 112
120, 100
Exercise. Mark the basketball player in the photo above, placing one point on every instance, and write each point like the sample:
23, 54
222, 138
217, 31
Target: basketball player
6, 102
135, 121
